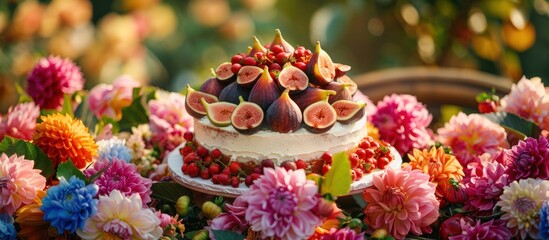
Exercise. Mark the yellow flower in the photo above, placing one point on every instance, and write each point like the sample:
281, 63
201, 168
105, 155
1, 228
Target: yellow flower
62, 137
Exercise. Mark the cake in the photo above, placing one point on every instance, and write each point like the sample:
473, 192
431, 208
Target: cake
277, 105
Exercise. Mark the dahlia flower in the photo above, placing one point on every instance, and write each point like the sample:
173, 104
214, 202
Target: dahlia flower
491, 230
121, 176
31, 219
440, 167
18, 182
68, 205
113, 148
529, 159
402, 122
7, 230
525, 100
62, 137
402, 202
344, 233
472, 135
233, 219
281, 204
107, 100
543, 227
136, 144
521, 202
485, 187
20, 121
121, 217
51, 78
169, 120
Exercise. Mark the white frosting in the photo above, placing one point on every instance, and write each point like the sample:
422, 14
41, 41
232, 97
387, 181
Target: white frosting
278, 147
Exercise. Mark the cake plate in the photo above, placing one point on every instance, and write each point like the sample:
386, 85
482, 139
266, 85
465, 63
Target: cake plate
175, 162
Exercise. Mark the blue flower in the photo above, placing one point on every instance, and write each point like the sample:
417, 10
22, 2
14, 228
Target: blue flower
7, 230
544, 221
68, 205
114, 148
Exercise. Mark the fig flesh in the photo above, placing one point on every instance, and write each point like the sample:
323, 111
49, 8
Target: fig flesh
219, 113
349, 111
279, 40
293, 78
193, 102
248, 75
319, 117
283, 115
232, 91
352, 85
342, 90
247, 118
265, 91
320, 68
224, 73
341, 69
211, 86
311, 95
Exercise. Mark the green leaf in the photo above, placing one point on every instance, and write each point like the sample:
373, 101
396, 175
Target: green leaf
338, 179
83, 113
227, 235
67, 105
67, 170
169, 191
23, 96
11, 146
514, 123
96, 175
136, 113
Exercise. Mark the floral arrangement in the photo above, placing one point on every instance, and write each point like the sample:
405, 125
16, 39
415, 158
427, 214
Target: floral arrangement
91, 165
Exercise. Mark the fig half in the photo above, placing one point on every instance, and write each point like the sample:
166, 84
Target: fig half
352, 85
247, 118
224, 73
293, 78
193, 102
319, 117
342, 90
341, 69
247, 75
219, 113
232, 91
349, 111
311, 95
284, 115
320, 68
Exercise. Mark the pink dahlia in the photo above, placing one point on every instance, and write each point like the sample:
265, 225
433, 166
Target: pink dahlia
529, 159
402, 121
281, 204
233, 219
121, 176
20, 121
18, 182
169, 120
51, 78
343, 234
472, 135
524, 97
491, 230
402, 202
485, 187
107, 100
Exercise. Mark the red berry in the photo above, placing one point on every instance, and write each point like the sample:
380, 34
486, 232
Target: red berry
289, 165
275, 66
193, 170
215, 179
301, 65
214, 169
259, 56
267, 163
353, 175
361, 153
258, 170
224, 179
276, 49
237, 59
235, 182
364, 145
255, 176
202, 152
271, 56
188, 136
186, 150
236, 67
353, 157
282, 58
299, 52
487, 106
215, 154
249, 61
300, 164
190, 158
327, 157
274, 73
184, 168
207, 160
325, 168
234, 167
205, 173
248, 180
382, 162
226, 171
359, 173
308, 52
368, 153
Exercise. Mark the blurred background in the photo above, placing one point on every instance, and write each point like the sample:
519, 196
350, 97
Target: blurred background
169, 43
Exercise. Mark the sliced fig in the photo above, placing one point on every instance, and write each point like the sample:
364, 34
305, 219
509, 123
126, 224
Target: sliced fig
293, 79
247, 75
224, 73
349, 111
311, 95
279, 40
342, 90
248, 117
284, 115
319, 117
320, 68
352, 85
256, 47
341, 69
265, 91
211, 86
231, 92
193, 103
219, 113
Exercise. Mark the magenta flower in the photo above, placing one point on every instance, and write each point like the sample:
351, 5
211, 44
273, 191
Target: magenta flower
491, 230
485, 187
168, 120
529, 159
281, 204
402, 121
121, 176
469, 136
107, 100
233, 219
51, 78
343, 234
402, 202
20, 121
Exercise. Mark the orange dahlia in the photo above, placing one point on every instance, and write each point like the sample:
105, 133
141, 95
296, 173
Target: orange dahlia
440, 166
62, 137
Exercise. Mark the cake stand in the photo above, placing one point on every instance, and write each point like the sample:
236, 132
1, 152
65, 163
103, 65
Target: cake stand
175, 162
